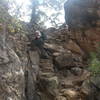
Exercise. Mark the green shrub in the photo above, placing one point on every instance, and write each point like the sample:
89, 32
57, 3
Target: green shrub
94, 63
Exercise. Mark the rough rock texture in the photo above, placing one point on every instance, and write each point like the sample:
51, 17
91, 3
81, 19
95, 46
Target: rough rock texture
62, 74
31, 73
12, 80
91, 88
83, 18
18, 68
26, 76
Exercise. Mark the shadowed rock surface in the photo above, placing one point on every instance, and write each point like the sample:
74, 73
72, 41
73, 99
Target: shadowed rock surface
83, 18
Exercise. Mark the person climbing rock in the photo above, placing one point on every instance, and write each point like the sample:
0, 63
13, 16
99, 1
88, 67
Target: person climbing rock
39, 38
38, 41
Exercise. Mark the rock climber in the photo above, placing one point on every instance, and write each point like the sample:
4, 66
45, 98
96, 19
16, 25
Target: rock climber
38, 41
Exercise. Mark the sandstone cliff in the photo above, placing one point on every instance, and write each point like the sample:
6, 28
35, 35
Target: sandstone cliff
83, 18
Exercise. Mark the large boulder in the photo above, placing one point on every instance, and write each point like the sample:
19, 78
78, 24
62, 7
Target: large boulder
12, 80
74, 47
81, 14
91, 88
48, 86
70, 94
83, 19
68, 60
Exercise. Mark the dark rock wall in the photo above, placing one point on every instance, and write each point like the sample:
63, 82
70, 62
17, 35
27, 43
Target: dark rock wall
83, 19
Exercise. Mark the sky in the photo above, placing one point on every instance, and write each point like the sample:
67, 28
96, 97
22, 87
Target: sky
26, 12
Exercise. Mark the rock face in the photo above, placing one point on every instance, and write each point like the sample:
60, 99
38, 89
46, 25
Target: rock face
91, 88
11, 76
81, 14
12, 80
18, 68
62, 76
83, 19
68, 60
31, 73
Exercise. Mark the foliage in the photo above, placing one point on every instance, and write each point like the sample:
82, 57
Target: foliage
15, 26
51, 14
4, 16
11, 12
94, 65
43, 12
12, 23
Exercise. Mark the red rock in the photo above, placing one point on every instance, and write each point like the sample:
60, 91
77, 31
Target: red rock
74, 47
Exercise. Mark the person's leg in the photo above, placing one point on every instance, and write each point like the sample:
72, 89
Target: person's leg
43, 53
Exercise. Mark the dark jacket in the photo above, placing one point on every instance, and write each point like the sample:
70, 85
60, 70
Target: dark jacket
40, 41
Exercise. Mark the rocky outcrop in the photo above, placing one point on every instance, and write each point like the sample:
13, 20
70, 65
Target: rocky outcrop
12, 80
11, 76
83, 19
18, 68
62, 74
91, 89
31, 74
24, 75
